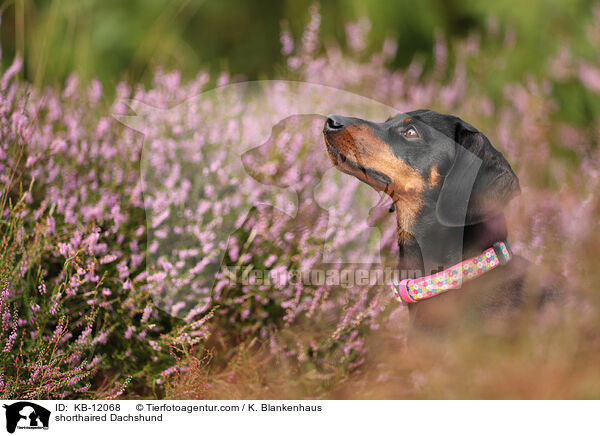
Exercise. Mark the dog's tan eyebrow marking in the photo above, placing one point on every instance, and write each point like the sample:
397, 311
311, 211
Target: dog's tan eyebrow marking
407, 120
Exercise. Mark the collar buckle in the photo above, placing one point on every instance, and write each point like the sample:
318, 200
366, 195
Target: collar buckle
503, 252
401, 292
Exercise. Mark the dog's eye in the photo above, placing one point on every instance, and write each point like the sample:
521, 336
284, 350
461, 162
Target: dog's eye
411, 133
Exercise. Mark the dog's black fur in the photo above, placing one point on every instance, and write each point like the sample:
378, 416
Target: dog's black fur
449, 186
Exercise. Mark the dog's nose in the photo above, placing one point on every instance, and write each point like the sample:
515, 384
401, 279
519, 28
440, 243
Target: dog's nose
334, 123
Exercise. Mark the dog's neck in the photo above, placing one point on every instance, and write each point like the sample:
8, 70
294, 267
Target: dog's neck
430, 246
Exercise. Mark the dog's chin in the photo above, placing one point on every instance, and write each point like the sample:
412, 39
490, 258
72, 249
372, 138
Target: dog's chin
373, 178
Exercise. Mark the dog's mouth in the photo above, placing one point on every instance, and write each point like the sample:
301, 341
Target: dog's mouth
376, 179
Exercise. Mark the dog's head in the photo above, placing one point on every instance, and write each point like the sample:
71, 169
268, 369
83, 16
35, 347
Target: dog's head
425, 160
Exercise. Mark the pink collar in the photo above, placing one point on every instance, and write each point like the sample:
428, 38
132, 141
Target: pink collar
415, 290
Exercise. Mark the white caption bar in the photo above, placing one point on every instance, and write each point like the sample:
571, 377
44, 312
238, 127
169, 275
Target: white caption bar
150, 417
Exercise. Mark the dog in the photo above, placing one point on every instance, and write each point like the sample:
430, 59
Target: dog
449, 187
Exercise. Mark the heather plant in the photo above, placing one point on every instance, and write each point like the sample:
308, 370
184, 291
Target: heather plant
121, 222
66, 307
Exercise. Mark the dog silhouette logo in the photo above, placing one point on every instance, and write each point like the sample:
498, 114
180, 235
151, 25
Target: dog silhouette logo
26, 415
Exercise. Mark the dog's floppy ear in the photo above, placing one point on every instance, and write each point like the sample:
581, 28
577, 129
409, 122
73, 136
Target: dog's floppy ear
480, 182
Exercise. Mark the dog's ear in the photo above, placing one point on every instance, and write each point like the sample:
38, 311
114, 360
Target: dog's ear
480, 182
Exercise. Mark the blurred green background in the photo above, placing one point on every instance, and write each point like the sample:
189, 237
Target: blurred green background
116, 40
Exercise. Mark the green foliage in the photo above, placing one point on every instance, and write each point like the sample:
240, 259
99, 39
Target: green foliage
115, 40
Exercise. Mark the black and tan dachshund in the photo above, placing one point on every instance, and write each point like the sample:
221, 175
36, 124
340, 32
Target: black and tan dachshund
449, 187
